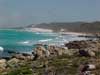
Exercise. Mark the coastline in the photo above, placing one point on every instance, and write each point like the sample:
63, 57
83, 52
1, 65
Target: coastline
63, 58
42, 30
61, 33
49, 59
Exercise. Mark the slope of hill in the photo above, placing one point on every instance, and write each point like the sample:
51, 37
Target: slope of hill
90, 27
93, 27
60, 25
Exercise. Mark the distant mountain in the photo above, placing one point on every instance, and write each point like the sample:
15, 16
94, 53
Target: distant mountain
60, 25
28, 26
93, 27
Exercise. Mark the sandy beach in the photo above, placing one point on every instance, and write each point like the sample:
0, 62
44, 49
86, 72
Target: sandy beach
38, 30
63, 33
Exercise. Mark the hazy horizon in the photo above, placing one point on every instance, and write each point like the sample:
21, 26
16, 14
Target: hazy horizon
14, 13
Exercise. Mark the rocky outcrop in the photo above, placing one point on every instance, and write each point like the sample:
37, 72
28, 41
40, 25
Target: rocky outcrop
77, 45
2, 64
84, 44
24, 56
86, 47
85, 52
86, 69
13, 60
50, 51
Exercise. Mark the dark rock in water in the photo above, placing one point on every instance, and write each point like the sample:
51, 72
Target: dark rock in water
6, 55
26, 54
12, 52
7, 58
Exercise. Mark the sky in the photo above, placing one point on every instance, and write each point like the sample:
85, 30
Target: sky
14, 13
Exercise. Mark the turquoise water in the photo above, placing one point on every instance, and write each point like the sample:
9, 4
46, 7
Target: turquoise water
21, 41
24, 41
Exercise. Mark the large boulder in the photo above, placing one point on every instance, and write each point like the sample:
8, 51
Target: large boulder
40, 51
13, 60
92, 66
31, 57
91, 53
20, 56
77, 44
3, 64
55, 51
24, 56
85, 52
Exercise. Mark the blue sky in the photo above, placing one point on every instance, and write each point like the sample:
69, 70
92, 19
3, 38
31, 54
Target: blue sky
25, 12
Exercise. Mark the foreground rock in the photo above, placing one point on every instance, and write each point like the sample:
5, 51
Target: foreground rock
90, 44
24, 56
49, 52
2, 64
85, 52
13, 60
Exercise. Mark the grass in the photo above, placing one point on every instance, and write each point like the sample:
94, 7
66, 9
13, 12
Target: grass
62, 65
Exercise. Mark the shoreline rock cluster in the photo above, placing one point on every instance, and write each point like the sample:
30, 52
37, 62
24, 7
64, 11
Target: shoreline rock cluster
88, 50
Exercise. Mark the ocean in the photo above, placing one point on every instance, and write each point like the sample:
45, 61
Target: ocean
24, 41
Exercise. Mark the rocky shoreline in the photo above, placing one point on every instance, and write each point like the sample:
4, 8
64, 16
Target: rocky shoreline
75, 58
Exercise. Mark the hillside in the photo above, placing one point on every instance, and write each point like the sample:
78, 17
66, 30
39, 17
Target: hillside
93, 27
90, 27
60, 25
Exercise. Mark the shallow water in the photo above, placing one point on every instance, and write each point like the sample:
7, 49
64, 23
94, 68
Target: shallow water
24, 41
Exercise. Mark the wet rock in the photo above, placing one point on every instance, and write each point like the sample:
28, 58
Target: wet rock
20, 56
26, 54
12, 52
